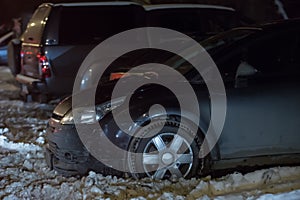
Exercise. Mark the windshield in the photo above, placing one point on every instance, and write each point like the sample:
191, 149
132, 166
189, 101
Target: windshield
226, 38
120, 67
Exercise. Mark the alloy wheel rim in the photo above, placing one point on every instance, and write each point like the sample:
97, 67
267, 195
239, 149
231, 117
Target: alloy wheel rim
167, 155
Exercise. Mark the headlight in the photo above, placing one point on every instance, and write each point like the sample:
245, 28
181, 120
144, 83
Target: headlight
89, 115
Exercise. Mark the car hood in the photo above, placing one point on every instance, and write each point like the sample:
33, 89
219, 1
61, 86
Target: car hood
102, 95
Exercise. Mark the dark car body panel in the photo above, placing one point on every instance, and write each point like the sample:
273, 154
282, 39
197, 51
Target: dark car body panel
265, 123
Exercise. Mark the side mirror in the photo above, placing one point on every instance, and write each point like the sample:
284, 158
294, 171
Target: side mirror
245, 69
243, 72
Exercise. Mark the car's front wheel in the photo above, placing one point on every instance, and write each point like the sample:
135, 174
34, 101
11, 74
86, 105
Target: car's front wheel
165, 150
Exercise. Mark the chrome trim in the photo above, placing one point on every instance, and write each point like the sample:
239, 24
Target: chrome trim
97, 4
31, 44
174, 6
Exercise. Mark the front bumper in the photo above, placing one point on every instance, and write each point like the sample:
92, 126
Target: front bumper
65, 153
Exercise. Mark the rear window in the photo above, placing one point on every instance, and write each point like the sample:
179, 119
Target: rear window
89, 25
36, 25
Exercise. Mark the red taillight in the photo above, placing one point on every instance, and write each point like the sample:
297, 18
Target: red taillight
46, 72
44, 64
116, 75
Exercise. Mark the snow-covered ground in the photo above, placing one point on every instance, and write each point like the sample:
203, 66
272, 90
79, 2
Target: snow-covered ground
24, 174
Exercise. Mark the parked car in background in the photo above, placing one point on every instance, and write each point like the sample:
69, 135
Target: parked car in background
10, 45
260, 67
4, 40
59, 36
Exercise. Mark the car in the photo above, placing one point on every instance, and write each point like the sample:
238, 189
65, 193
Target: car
211, 19
58, 38
260, 69
4, 40
14, 46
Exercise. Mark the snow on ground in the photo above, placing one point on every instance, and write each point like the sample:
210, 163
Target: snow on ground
25, 175
22, 147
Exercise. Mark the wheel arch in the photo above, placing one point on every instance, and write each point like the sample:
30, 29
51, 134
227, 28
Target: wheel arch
175, 114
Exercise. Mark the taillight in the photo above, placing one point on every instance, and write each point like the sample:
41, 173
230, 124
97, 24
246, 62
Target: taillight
116, 75
44, 65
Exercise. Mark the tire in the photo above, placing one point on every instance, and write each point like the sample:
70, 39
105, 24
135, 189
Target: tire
166, 151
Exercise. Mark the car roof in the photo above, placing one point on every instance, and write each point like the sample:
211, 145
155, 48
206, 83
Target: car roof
185, 5
146, 7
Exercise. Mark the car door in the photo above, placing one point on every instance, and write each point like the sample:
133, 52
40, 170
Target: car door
263, 115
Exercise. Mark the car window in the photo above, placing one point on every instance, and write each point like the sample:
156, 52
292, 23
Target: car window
93, 24
275, 54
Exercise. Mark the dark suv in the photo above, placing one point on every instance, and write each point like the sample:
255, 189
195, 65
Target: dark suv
59, 36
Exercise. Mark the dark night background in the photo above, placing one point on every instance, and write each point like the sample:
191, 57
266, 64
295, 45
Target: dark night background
257, 10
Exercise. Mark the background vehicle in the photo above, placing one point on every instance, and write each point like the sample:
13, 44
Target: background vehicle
59, 36
260, 69
4, 40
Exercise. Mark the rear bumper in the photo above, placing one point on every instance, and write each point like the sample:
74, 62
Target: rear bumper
52, 87
32, 85
26, 80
